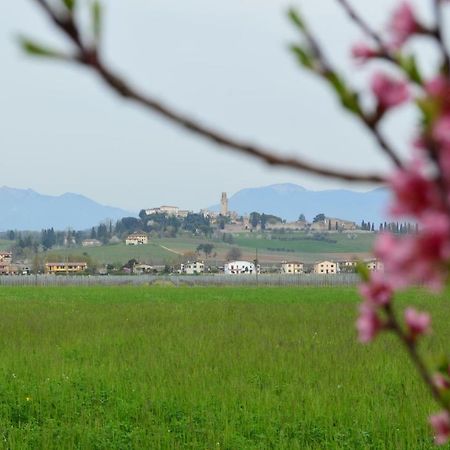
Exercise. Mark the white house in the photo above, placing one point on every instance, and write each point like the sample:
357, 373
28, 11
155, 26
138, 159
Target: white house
169, 210
136, 239
374, 265
291, 267
91, 243
325, 267
241, 268
192, 268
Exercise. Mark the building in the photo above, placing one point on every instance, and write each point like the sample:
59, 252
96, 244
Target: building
374, 265
141, 269
5, 257
241, 268
91, 243
325, 267
165, 209
137, 239
291, 267
6, 263
169, 210
224, 204
65, 267
192, 268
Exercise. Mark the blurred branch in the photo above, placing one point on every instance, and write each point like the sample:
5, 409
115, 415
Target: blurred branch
317, 62
365, 27
89, 57
439, 34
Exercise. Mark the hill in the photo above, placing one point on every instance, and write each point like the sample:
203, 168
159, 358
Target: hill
26, 209
290, 200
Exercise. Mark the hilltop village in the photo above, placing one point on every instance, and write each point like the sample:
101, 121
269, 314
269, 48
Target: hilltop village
168, 239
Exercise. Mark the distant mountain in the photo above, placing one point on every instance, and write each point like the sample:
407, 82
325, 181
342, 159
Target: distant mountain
25, 209
288, 201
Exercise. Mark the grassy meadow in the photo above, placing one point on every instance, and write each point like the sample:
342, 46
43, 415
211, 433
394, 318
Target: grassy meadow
205, 368
271, 248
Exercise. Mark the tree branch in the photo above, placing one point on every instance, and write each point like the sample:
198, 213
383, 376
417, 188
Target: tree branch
89, 57
439, 34
365, 27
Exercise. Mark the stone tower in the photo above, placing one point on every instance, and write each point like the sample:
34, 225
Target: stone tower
224, 204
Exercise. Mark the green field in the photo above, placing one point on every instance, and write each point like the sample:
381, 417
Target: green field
271, 248
152, 253
302, 243
205, 368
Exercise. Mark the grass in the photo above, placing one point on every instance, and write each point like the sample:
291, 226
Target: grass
287, 246
120, 253
205, 368
302, 243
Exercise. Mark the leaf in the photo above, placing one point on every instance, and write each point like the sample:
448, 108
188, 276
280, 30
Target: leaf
296, 19
35, 49
69, 4
363, 271
409, 65
349, 99
96, 12
305, 58
430, 110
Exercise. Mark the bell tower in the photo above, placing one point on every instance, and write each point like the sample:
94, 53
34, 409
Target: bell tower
224, 204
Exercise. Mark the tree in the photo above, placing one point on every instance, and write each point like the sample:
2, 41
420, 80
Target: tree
319, 218
205, 248
255, 219
302, 218
234, 254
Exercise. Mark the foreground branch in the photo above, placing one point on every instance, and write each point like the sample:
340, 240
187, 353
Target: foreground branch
89, 57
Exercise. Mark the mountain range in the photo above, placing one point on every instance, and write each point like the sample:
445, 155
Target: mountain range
25, 209
288, 201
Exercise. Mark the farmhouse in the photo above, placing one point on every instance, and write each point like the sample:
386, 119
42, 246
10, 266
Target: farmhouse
374, 265
136, 239
291, 267
143, 268
65, 267
5, 263
91, 243
325, 267
241, 268
192, 268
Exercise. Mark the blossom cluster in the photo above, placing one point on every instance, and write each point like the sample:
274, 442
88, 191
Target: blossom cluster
420, 191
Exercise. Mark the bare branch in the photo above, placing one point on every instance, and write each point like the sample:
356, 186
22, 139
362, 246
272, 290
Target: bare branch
90, 58
327, 71
439, 34
365, 27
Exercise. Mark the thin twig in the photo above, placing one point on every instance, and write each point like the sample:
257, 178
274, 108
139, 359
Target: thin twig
90, 58
411, 347
439, 34
325, 70
365, 27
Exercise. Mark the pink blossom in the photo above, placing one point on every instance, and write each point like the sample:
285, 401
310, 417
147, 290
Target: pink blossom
418, 258
441, 382
438, 86
389, 91
377, 290
368, 323
441, 131
403, 24
417, 322
362, 52
441, 426
414, 193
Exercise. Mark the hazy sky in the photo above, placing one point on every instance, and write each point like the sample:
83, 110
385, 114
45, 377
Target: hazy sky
224, 61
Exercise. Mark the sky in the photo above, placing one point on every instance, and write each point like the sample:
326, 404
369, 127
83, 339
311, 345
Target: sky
226, 63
